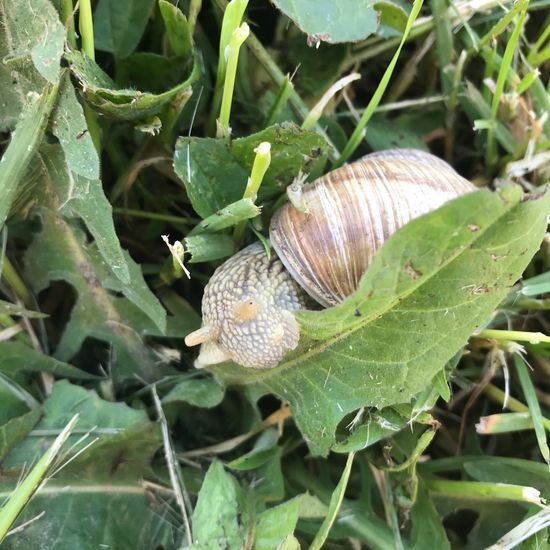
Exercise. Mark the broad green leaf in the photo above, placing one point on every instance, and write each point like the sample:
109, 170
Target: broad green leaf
25, 141
387, 341
13, 431
15, 400
124, 104
16, 357
177, 29
200, 392
386, 134
35, 31
215, 173
215, 518
69, 126
427, 529
329, 21
60, 252
83, 198
119, 25
276, 524
112, 424
205, 248
262, 451
88, 516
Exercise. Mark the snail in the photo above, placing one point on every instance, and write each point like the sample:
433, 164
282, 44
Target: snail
323, 245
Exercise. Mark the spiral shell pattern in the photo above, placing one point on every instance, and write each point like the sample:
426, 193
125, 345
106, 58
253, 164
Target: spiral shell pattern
349, 213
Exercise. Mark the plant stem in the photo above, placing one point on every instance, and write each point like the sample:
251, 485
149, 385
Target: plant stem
16, 283
262, 161
483, 490
358, 133
497, 395
194, 10
281, 100
514, 335
67, 17
155, 216
233, 12
86, 27
237, 38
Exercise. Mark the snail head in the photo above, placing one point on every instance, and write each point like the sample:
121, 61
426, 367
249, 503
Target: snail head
247, 312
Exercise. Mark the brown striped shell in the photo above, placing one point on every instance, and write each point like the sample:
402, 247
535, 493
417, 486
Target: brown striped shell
348, 214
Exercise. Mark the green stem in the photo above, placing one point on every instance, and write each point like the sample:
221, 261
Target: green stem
514, 335
259, 168
497, 395
281, 100
482, 490
16, 283
194, 10
358, 133
237, 39
86, 27
67, 17
155, 216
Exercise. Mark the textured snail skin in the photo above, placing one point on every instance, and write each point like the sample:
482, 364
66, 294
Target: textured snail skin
247, 308
326, 245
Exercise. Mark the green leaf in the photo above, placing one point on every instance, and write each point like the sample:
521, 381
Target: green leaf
70, 128
126, 438
16, 357
388, 340
119, 25
61, 253
215, 173
276, 524
24, 143
177, 29
80, 197
205, 248
215, 518
44, 44
124, 104
125, 516
13, 431
427, 530
262, 452
328, 21
203, 392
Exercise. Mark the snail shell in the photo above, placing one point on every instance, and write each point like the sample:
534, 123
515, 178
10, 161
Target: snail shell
326, 246
349, 213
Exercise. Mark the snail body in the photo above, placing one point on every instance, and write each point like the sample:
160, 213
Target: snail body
324, 247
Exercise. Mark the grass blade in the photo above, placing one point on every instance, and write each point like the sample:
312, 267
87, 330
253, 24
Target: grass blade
23, 493
532, 402
333, 507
